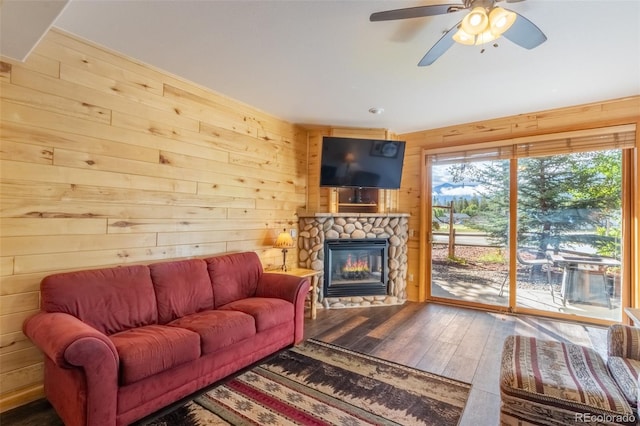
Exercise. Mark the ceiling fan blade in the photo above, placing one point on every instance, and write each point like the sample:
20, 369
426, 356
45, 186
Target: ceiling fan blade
525, 33
415, 12
441, 46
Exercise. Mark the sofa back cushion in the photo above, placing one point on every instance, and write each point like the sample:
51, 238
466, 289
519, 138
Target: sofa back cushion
110, 300
234, 276
182, 288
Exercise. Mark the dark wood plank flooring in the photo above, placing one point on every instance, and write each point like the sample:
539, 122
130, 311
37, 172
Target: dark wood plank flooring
459, 343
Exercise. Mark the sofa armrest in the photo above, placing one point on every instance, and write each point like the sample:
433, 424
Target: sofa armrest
623, 341
288, 287
282, 286
72, 344
54, 333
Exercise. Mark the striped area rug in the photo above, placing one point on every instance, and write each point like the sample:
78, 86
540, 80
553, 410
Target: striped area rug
321, 384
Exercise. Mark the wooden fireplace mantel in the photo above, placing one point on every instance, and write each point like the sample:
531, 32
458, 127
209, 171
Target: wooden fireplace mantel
348, 214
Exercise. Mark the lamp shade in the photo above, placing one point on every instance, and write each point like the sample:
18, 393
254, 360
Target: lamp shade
284, 240
463, 38
485, 37
476, 21
500, 20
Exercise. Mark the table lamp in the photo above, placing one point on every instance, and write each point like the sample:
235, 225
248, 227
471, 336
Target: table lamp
284, 242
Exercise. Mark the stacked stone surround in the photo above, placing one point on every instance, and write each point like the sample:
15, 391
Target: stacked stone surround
314, 229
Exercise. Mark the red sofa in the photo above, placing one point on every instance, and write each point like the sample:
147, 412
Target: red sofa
121, 343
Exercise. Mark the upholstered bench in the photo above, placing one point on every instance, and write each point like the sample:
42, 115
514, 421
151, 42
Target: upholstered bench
553, 383
623, 360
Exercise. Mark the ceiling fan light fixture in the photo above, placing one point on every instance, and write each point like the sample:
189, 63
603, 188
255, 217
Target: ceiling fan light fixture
476, 21
483, 23
500, 20
463, 38
485, 37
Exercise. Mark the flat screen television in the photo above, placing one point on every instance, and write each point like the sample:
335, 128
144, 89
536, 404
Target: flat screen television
361, 163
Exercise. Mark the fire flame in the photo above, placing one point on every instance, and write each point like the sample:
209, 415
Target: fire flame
355, 266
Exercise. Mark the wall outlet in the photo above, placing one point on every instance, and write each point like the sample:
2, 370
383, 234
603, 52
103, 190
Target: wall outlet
411, 277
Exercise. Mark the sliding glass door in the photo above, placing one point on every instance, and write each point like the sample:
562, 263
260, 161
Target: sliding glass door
532, 227
569, 233
469, 218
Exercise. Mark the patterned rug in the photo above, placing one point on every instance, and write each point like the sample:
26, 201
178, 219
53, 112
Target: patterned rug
321, 384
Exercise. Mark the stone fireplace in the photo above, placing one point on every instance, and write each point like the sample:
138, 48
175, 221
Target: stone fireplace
319, 241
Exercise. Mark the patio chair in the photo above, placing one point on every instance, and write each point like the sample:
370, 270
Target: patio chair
529, 259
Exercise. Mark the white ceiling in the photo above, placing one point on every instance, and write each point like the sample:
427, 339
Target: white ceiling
323, 62
24, 23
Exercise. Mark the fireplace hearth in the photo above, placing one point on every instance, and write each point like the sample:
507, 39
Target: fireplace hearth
355, 267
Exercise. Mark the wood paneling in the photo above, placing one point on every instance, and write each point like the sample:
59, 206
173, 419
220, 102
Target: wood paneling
105, 161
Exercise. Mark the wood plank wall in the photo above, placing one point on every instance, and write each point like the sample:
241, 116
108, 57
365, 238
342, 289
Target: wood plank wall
106, 161
589, 116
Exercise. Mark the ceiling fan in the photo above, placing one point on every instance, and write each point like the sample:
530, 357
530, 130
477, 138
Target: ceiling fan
484, 23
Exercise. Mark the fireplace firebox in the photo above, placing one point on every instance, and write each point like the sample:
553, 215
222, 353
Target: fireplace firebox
355, 267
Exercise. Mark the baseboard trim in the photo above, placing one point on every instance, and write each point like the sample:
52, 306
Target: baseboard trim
20, 397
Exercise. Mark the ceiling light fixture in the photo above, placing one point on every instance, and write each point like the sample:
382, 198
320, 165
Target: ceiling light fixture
478, 27
476, 21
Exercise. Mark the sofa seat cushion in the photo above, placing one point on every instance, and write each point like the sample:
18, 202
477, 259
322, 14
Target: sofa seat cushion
548, 382
625, 372
145, 351
218, 329
268, 312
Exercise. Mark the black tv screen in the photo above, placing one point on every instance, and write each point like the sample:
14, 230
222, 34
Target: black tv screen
361, 163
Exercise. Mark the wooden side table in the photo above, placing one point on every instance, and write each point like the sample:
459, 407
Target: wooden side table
314, 277
634, 315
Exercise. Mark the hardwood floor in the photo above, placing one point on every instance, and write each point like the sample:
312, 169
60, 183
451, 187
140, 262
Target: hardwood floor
459, 343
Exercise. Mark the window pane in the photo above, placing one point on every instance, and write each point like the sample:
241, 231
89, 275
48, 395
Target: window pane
469, 223
569, 233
